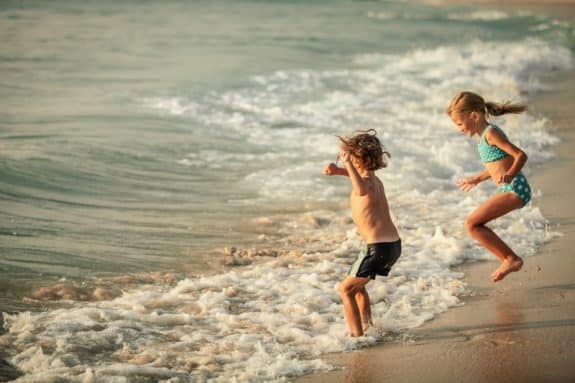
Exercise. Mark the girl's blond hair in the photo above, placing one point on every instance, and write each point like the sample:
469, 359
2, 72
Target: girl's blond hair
366, 147
467, 102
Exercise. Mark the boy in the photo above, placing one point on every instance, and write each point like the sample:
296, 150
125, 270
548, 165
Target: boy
362, 154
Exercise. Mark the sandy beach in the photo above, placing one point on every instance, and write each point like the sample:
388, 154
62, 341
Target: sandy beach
520, 330
504, 2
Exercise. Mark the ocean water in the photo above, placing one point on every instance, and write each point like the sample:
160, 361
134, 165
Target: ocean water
164, 214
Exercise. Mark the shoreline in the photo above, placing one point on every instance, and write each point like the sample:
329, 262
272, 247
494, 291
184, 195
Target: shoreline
561, 9
521, 329
502, 2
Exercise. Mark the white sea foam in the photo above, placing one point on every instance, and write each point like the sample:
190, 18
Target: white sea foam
261, 323
274, 319
404, 99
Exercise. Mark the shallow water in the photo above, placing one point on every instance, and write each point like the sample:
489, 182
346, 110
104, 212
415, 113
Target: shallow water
139, 139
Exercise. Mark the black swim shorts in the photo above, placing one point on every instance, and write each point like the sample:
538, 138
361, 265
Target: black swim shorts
376, 260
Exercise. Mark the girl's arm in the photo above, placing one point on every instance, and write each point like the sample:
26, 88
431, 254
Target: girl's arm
469, 183
483, 176
519, 157
358, 184
333, 170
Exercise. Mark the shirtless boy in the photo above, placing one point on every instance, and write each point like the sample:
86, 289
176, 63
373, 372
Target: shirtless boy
362, 154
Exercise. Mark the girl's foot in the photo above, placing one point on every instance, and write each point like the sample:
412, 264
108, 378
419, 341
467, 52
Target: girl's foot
507, 266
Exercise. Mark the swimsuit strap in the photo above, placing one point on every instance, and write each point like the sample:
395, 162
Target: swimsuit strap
489, 126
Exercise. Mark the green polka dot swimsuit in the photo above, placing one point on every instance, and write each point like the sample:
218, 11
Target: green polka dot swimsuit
491, 153
519, 186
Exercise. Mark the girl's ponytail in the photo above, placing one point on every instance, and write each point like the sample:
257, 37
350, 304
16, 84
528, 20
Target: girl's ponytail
496, 109
466, 102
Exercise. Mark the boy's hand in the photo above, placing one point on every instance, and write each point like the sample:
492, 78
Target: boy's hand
344, 155
330, 170
467, 184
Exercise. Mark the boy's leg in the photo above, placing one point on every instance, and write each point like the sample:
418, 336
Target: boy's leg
348, 290
495, 207
362, 300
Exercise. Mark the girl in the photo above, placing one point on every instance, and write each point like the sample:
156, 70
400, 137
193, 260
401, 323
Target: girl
503, 162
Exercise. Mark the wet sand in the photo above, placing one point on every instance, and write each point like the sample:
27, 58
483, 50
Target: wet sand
519, 330
556, 8
541, 3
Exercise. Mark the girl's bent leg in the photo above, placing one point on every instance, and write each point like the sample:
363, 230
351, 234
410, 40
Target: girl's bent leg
495, 207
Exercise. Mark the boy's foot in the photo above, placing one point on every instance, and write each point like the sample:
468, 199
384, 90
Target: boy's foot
366, 325
507, 267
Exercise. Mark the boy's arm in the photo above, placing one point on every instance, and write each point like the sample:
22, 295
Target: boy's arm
333, 170
358, 184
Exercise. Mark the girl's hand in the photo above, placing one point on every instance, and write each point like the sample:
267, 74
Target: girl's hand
467, 184
330, 170
504, 179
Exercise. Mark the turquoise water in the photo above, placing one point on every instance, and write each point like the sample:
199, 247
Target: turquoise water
92, 175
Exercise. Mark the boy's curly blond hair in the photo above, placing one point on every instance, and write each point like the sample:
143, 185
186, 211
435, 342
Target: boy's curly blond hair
366, 147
